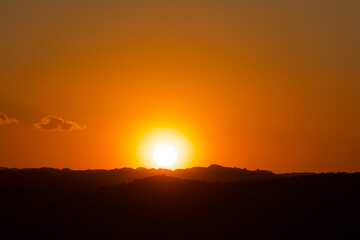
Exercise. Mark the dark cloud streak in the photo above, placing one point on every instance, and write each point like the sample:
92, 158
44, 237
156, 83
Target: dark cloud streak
53, 123
4, 119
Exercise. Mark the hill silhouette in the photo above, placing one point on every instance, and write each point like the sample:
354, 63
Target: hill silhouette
292, 206
84, 179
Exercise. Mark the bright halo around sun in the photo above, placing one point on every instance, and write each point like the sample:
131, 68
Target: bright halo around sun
165, 155
165, 148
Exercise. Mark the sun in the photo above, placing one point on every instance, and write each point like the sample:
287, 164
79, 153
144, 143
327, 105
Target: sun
165, 148
165, 155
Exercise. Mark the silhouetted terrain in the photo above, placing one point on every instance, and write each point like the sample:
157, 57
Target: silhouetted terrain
77, 180
317, 206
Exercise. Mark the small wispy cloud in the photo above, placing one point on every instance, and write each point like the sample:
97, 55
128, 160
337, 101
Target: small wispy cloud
53, 123
4, 119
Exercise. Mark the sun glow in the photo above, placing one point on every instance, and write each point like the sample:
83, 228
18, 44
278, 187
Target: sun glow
165, 148
165, 155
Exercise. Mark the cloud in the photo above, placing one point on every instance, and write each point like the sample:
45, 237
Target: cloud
53, 123
6, 120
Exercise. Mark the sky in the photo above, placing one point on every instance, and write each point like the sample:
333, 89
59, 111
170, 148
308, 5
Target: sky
271, 85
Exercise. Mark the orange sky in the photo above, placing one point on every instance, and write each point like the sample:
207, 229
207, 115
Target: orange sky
254, 84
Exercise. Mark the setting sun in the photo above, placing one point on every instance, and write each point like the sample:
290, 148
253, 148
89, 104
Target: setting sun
165, 155
165, 148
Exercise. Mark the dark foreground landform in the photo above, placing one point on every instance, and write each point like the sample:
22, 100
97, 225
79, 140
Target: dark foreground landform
84, 179
46, 204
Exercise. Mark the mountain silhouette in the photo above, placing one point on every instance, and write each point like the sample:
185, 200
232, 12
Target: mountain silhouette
84, 179
316, 206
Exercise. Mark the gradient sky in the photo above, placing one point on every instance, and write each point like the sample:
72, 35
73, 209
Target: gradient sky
260, 84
